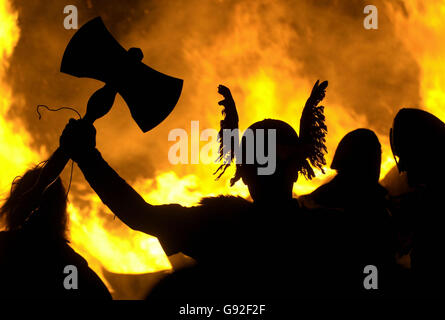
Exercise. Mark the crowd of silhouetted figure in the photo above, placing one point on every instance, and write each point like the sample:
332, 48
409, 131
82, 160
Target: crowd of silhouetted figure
273, 246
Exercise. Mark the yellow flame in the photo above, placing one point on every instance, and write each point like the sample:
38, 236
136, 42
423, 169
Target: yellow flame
15, 154
269, 92
126, 251
422, 31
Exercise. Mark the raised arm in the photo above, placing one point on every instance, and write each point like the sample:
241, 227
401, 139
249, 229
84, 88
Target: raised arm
78, 139
118, 195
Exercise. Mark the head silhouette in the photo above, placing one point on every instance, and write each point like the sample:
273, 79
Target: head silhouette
46, 212
287, 160
271, 154
358, 156
418, 141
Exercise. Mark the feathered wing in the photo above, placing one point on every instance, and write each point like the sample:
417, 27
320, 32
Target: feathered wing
313, 131
230, 122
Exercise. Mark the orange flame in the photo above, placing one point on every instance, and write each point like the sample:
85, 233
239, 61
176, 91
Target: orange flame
16, 154
268, 92
126, 251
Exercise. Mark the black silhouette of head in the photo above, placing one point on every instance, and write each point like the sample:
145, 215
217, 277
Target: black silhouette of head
46, 213
359, 156
289, 160
418, 144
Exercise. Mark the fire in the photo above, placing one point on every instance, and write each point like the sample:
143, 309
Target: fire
124, 251
121, 251
422, 31
263, 86
16, 155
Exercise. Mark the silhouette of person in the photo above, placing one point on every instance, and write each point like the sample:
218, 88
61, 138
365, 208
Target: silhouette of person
356, 193
357, 161
34, 250
417, 141
240, 246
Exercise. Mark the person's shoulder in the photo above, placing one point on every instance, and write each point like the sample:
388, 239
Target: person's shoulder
225, 202
71, 256
220, 201
224, 208
324, 196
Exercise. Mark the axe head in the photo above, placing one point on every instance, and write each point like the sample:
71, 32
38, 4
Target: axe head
94, 53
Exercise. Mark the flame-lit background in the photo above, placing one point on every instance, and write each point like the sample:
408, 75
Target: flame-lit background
269, 53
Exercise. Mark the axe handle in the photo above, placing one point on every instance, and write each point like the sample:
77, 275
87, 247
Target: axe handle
99, 104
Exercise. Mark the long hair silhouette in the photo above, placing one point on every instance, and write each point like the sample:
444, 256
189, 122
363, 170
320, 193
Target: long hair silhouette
25, 207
